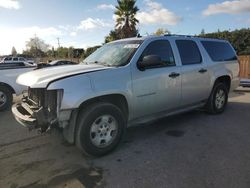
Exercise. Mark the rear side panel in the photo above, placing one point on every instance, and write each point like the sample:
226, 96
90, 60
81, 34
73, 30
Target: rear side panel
222, 60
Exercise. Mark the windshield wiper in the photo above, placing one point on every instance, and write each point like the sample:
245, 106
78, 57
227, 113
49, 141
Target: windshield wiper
100, 63
94, 62
106, 64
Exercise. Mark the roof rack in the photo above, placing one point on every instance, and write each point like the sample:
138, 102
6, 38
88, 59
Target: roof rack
176, 35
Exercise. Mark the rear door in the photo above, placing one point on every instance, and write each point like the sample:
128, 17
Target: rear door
156, 89
195, 78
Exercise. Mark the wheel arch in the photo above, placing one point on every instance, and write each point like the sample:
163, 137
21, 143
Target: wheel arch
226, 79
8, 86
118, 100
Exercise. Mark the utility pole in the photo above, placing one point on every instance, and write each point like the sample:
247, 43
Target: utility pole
58, 41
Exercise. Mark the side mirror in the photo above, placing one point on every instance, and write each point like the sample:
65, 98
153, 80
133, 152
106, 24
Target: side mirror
149, 61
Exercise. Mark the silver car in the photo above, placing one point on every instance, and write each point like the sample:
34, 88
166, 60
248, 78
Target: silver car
127, 82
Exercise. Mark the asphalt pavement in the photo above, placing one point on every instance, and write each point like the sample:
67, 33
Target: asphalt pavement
190, 150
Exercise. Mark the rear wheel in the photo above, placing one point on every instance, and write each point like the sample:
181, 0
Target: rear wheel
6, 98
218, 99
100, 129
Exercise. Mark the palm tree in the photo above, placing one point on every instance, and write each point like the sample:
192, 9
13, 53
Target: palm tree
126, 21
113, 35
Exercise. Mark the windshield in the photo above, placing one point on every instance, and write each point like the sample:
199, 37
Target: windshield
114, 54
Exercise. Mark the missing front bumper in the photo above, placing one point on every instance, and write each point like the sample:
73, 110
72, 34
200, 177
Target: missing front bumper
24, 119
30, 118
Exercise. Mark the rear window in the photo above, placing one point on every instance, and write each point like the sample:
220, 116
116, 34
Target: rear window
189, 52
219, 51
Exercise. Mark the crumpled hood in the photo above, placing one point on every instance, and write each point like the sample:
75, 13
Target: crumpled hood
41, 77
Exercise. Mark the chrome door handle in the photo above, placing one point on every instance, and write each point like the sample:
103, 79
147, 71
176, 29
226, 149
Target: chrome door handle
202, 70
174, 75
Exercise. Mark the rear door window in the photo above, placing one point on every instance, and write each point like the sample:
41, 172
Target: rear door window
189, 52
219, 51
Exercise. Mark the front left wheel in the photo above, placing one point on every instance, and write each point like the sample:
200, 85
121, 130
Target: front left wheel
100, 128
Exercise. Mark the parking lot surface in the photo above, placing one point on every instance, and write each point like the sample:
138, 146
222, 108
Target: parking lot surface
184, 151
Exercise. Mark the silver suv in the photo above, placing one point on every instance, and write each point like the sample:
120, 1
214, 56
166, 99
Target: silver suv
17, 60
127, 82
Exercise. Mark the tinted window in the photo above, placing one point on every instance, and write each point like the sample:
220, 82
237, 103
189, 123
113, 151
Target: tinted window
219, 51
189, 52
161, 48
8, 59
15, 59
21, 59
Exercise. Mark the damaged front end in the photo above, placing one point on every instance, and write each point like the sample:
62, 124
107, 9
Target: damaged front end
39, 108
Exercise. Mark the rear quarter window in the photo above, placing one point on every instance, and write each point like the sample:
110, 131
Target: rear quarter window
219, 51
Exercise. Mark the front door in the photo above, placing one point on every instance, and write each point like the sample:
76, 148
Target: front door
156, 89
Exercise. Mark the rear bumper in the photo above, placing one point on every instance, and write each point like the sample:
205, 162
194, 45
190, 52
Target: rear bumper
234, 83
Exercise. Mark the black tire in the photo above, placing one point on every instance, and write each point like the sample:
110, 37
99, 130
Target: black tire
6, 98
212, 105
93, 115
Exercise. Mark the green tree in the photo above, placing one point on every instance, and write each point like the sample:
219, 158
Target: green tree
78, 52
113, 35
13, 51
161, 31
126, 21
202, 32
51, 53
240, 39
90, 50
62, 52
36, 47
70, 52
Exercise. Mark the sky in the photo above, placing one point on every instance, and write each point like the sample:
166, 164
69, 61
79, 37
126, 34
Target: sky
85, 23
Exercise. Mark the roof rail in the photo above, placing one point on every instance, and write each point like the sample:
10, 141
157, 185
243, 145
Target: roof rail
176, 35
